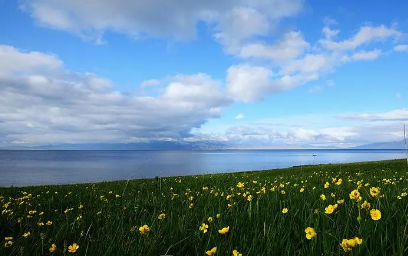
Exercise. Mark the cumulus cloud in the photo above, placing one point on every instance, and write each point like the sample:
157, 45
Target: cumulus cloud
158, 18
42, 102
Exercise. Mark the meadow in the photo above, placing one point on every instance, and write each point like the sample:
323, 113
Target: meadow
335, 209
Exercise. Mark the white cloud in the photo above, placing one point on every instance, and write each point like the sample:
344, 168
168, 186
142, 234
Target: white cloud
394, 115
290, 47
158, 18
150, 82
365, 35
401, 48
240, 116
44, 103
364, 55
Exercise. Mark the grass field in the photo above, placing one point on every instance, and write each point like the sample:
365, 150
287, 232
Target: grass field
347, 209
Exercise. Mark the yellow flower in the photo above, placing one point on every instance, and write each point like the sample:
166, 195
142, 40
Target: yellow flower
326, 185
285, 210
354, 195
73, 248
203, 228
365, 205
26, 234
249, 198
224, 231
375, 214
41, 213
53, 248
49, 223
340, 201
338, 183
144, 229
117, 196
375, 192
283, 192
8, 238
213, 251
8, 244
31, 212
239, 185
218, 216
40, 224
302, 189
329, 209
80, 206
236, 253
191, 206
210, 219
322, 197
348, 244
161, 216
404, 194
310, 233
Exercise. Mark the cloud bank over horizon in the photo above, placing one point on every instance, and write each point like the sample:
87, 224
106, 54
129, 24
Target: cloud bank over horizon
45, 102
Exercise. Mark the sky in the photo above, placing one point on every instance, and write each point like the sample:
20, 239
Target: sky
247, 73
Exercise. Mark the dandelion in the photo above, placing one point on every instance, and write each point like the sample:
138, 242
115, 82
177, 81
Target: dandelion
53, 248
285, 210
236, 253
144, 229
213, 251
203, 228
161, 216
224, 231
73, 248
26, 234
375, 214
310, 233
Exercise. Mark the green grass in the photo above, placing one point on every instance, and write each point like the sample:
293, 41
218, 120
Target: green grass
257, 227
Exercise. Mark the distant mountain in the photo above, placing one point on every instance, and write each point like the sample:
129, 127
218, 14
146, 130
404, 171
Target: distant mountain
383, 145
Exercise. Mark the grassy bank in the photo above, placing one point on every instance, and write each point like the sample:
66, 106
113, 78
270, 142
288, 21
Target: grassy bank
267, 213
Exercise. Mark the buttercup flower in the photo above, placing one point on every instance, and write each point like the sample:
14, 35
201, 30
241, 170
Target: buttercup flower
53, 248
285, 210
354, 195
144, 229
73, 248
310, 233
375, 192
161, 216
203, 228
213, 251
236, 253
26, 235
240, 185
375, 214
366, 205
224, 231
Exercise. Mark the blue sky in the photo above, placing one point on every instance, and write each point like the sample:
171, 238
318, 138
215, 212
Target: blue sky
266, 74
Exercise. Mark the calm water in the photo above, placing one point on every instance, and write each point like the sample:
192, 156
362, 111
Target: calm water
24, 168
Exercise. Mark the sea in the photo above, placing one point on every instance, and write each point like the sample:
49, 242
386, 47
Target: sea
45, 167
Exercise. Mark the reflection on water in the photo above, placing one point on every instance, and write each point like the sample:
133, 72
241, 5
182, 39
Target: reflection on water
24, 168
